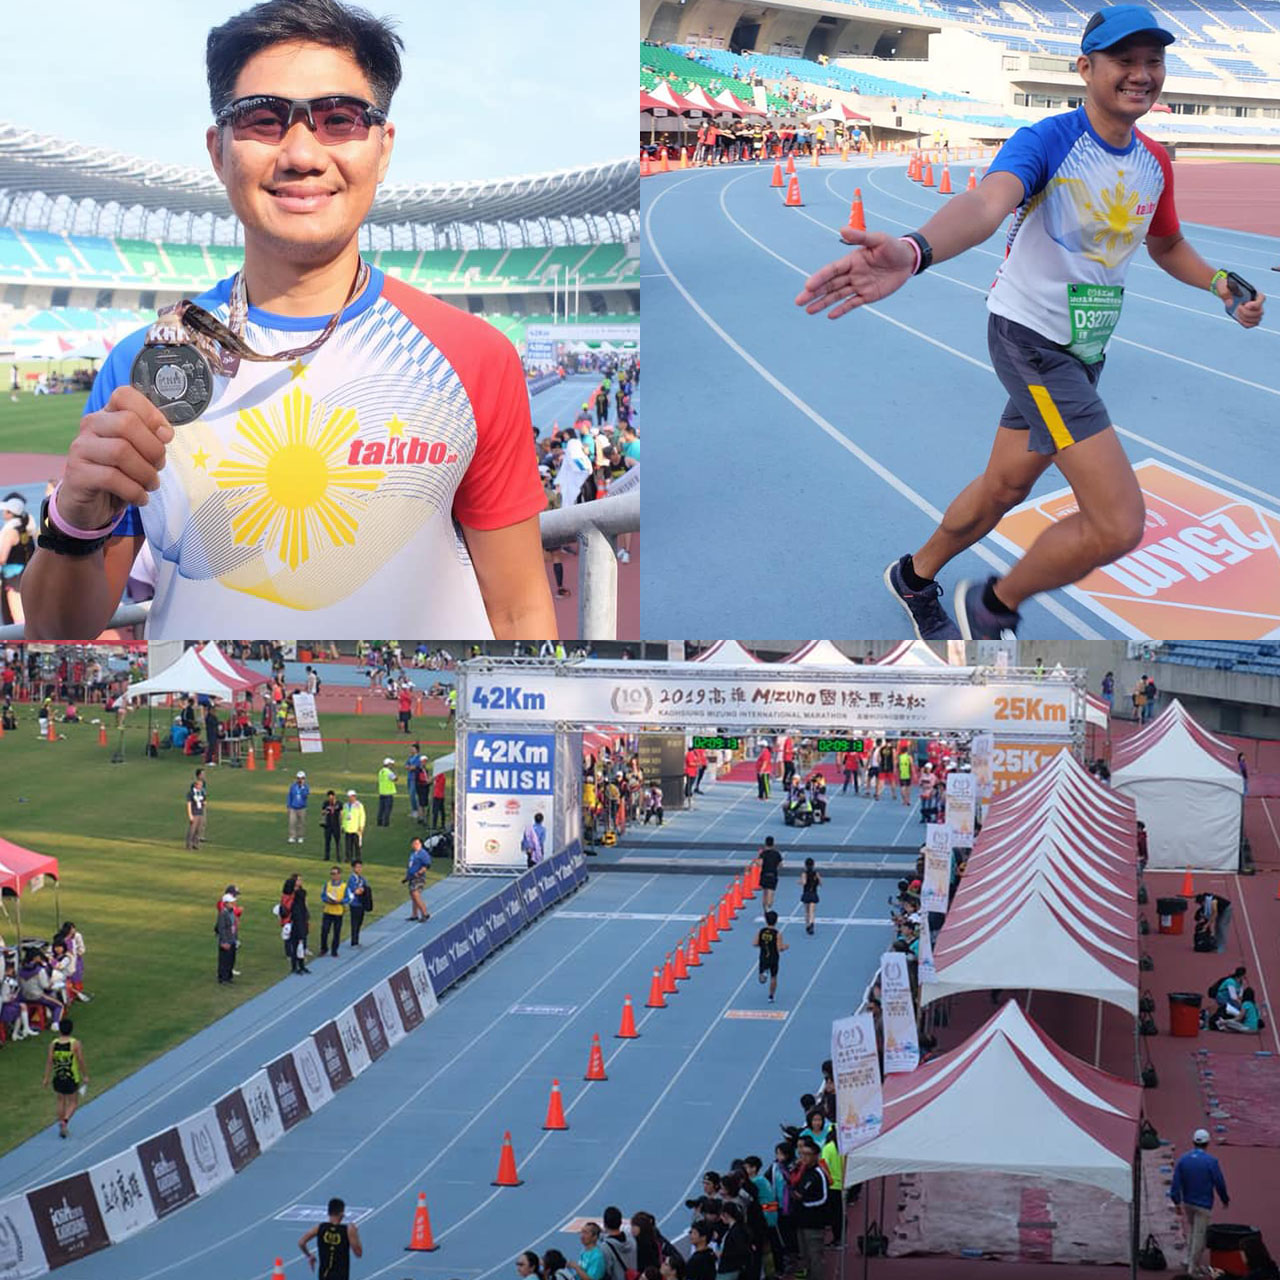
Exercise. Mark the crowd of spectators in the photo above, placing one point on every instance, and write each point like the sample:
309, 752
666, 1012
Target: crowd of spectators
42, 980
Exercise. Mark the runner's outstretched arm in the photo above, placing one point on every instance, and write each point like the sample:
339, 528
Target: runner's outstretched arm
885, 262
1176, 255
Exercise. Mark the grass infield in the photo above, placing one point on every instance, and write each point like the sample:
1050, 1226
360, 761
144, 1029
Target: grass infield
38, 424
146, 906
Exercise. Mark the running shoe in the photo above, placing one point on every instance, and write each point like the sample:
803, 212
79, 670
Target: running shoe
929, 619
977, 622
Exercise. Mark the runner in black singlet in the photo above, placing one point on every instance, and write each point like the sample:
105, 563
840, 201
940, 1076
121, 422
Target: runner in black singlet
335, 1241
770, 945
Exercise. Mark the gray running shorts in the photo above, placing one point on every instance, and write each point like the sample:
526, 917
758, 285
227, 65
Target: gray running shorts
1052, 394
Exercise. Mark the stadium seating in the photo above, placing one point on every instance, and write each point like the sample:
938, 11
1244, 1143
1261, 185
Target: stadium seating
1240, 656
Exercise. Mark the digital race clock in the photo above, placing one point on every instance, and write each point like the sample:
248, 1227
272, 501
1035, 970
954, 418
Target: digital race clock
839, 745
716, 743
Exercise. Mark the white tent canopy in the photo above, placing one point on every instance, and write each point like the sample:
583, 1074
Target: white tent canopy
818, 653
911, 653
1188, 791
727, 653
188, 675
1058, 1116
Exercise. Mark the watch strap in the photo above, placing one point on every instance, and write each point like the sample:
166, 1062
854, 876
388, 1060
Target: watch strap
924, 251
52, 538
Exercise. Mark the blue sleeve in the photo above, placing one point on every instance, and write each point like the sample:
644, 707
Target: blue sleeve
1220, 1183
115, 373
1024, 156
1175, 1187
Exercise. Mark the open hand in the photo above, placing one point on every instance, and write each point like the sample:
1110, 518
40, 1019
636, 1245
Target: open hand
882, 265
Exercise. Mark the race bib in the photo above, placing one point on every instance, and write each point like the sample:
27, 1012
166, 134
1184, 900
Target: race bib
1095, 311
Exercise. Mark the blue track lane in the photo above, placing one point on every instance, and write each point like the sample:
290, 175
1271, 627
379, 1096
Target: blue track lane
754, 398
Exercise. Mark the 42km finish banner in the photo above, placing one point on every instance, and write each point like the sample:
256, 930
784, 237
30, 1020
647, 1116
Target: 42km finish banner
861, 699
509, 777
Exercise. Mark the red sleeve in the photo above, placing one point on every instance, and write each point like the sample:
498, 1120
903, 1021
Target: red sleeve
1164, 222
501, 486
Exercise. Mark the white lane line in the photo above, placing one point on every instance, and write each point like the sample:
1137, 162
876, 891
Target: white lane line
1257, 961
875, 467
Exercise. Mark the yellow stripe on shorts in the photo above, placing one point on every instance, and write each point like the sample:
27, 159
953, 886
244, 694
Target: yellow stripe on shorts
1052, 418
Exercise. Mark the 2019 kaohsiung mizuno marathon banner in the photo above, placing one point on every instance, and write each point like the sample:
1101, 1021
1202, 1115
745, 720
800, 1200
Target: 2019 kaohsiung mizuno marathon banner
693, 696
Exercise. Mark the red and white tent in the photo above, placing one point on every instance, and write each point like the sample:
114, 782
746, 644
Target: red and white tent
818, 653
1047, 898
213, 657
727, 653
713, 107
1097, 711
1188, 791
664, 95
727, 98
190, 674
911, 653
1007, 1100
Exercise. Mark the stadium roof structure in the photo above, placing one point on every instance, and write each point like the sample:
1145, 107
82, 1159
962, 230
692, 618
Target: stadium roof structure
51, 184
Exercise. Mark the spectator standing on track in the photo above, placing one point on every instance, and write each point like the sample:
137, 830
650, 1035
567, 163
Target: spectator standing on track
527, 1264
353, 826
810, 879
1196, 1177
764, 772
299, 794
386, 791
702, 1261
415, 877
66, 1069
334, 896
228, 930
788, 760
331, 818
849, 765
735, 1246
359, 898
690, 771
300, 919
533, 842
833, 1161
770, 860
438, 784
335, 1241
591, 1264
768, 942
619, 1249
197, 802
1088, 191
702, 769
555, 1266
810, 1187
904, 774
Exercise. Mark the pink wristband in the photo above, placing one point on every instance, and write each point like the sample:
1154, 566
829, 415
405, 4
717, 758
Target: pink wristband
81, 535
915, 248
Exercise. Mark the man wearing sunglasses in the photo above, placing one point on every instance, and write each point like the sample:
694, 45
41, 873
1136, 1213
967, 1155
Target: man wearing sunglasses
382, 477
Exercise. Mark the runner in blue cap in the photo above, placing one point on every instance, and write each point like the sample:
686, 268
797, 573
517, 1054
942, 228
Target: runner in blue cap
1087, 189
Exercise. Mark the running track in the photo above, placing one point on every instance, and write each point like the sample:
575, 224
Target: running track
801, 458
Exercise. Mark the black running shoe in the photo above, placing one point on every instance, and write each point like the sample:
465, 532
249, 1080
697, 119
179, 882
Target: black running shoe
977, 622
929, 619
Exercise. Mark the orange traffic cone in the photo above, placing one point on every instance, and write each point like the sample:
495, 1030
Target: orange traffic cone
692, 956
668, 978
269, 758
277, 1272
155, 740
753, 879
857, 217
359, 706
664, 165
645, 170
813, 163
927, 180
1187, 890
655, 1000
420, 1238
723, 922
102, 735
1, 728
555, 1109
791, 163
713, 931
738, 899
627, 1031
507, 1176
680, 969
973, 181
776, 180
704, 940
249, 762
793, 200
944, 188
595, 1063
684, 157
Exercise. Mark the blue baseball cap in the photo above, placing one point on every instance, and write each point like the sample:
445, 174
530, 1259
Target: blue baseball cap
1118, 22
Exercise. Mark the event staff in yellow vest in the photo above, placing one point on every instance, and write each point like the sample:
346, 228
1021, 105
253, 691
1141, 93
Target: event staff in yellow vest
65, 1065
386, 791
352, 826
385, 442
335, 1241
334, 898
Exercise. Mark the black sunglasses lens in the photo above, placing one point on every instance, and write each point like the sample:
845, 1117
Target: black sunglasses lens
260, 120
340, 119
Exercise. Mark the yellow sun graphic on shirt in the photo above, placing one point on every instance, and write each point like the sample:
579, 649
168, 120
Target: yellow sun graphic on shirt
1118, 218
293, 486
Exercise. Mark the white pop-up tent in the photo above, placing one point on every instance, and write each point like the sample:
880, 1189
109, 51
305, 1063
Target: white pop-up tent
190, 674
1007, 1100
818, 653
727, 653
911, 653
1188, 791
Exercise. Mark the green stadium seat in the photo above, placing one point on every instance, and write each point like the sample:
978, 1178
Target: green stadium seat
400, 263
437, 266
520, 264
142, 258
479, 265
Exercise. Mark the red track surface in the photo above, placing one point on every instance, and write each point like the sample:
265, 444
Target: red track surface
1233, 194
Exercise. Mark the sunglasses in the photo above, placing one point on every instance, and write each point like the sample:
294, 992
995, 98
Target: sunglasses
333, 119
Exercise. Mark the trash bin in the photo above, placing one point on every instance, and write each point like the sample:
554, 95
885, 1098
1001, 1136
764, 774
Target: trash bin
1184, 1013
1230, 1247
271, 752
1170, 912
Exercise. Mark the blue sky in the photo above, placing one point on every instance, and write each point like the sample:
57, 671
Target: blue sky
489, 90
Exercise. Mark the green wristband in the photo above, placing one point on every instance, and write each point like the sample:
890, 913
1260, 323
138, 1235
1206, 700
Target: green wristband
1220, 274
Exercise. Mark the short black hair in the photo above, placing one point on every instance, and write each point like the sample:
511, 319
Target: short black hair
66, 1026
370, 41
612, 1217
337, 1206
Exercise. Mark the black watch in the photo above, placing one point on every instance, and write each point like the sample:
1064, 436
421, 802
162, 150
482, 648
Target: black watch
926, 251
51, 538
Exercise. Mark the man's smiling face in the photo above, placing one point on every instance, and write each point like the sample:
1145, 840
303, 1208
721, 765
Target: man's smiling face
305, 200
1125, 81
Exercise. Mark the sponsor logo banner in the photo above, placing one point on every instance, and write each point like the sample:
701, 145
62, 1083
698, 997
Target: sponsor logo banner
237, 1130
388, 1012
67, 1220
1208, 563
312, 1075
510, 777
927, 968
168, 1177
123, 1199
370, 1022
333, 1055
901, 1045
406, 999
21, 1253
960, 806
304, 706
353, 1044
856, 1067
260, 1099
291, 1099
422, 985
531, 896
439, 963
496, 923
936, 889
205, 1147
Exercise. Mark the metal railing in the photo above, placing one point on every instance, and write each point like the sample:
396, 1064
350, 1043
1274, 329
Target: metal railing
594, 525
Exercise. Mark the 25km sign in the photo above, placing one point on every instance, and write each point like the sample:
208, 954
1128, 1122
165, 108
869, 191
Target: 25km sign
1024, 709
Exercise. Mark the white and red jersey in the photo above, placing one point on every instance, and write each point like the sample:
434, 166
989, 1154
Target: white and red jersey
1086, 209
327, 496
